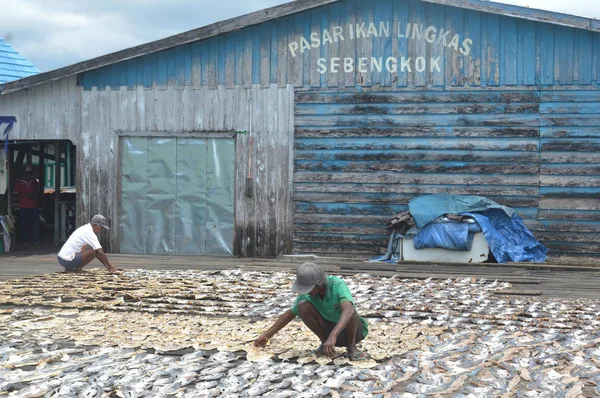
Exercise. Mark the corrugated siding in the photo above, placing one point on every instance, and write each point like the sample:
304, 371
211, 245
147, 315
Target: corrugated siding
570, 172
505, 52
360, 157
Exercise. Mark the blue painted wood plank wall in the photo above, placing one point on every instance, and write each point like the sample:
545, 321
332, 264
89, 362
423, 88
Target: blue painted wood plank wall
360, 157
505, 52
516, 119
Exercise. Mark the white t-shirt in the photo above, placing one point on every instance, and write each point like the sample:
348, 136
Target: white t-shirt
81, 237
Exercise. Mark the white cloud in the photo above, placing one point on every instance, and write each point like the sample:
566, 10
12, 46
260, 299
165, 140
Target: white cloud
31, 14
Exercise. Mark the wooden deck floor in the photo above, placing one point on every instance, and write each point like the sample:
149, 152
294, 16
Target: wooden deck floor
568, 279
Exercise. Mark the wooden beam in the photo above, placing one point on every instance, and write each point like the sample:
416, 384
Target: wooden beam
183, 134
28, 154
56, 191
73, 165
20, 156
518, 292
11, 178
41, 171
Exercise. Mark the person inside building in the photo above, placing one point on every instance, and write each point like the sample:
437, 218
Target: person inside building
326, 307
83, 246
28, 191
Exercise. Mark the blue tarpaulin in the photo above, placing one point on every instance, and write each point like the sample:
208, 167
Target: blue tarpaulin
450, 235
509, 239
425, 209
506, 234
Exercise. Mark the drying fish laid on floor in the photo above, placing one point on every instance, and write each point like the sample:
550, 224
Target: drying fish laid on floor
189, 333
267, 294
148, 331
254, 354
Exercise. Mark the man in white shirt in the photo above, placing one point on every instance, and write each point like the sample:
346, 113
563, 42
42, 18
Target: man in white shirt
83, 246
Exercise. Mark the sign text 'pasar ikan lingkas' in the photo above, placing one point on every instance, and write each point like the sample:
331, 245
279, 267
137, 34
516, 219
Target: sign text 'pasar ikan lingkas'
408, 31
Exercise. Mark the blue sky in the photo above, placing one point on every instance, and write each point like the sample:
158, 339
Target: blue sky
57, 33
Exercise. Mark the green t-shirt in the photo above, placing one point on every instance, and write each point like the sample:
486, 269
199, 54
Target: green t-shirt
336, 292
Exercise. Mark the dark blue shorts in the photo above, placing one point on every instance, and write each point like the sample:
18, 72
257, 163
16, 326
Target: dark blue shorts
73, 264
342, 340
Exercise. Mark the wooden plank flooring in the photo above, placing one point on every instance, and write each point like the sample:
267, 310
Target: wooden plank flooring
568, 279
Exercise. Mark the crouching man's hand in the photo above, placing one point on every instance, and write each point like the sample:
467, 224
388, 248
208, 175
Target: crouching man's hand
261, 341
112, 269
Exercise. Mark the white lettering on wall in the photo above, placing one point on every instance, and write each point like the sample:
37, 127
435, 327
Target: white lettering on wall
432, 35
348, 65
363, 30
391, 65
379, 64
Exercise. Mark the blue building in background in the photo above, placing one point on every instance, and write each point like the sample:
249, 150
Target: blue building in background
13, 66
354, 107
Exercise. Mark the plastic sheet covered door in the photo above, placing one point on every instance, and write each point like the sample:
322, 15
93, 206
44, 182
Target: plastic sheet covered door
177, 196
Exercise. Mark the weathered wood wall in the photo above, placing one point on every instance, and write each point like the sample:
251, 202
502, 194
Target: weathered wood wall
569, 211
261, 222
93, 120
493, 116
49, 111
360, 157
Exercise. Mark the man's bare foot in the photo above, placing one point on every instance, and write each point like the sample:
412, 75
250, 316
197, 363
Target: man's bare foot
357, 355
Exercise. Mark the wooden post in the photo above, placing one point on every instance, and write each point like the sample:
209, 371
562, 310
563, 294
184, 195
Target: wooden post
10, 166
42, 170
73, 166
11, 178
42, 178
56, 191
28, 154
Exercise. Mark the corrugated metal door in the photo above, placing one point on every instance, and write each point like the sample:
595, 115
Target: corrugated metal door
360, 157
176, 196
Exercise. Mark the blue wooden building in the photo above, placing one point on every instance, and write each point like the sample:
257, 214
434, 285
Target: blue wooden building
353, 108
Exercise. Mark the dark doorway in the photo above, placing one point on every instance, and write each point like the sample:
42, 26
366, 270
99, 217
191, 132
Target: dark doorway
40, 176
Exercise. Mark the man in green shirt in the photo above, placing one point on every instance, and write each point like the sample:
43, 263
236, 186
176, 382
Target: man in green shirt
325, 305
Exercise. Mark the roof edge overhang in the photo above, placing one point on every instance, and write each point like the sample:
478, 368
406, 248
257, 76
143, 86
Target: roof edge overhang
283, 10
532, 14
205, 32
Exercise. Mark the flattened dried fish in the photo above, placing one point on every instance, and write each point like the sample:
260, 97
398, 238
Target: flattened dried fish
307, 359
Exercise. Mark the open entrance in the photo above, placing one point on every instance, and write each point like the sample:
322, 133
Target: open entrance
38, 193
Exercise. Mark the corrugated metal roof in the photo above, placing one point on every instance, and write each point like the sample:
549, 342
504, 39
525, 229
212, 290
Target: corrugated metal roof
280, 11
13, 66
